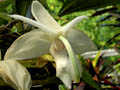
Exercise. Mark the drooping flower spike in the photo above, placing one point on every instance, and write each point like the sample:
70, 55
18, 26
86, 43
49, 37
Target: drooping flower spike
50, 37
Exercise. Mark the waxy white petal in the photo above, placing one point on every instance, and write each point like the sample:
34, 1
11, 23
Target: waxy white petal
63, 65
105, 53
75, 64
42, 16
80, 42
15, 75
30, 45
71, 24
42, 27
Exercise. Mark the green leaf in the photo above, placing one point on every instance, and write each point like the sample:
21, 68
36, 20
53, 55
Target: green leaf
62, 87
86, 76
96, 59
70, 6
4, 4
9, 9
5, 17
22, 6
5, 7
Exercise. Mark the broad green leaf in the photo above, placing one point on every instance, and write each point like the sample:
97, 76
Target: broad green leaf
86, 76
4, 4
70, 6
9, 9
22, 6
5, 17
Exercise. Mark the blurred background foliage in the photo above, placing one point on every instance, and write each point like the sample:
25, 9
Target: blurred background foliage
102, 26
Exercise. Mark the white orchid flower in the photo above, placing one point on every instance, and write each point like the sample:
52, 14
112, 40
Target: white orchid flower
15, 75
60, 41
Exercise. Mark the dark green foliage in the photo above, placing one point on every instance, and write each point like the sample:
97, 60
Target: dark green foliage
22, 6
70, 6
87, 78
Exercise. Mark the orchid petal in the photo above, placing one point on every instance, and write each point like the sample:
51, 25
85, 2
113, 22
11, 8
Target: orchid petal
63, 65
30, 45
42, 16
80, 42
105, 53
73, 23
15, 75
75, 64
42, 27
